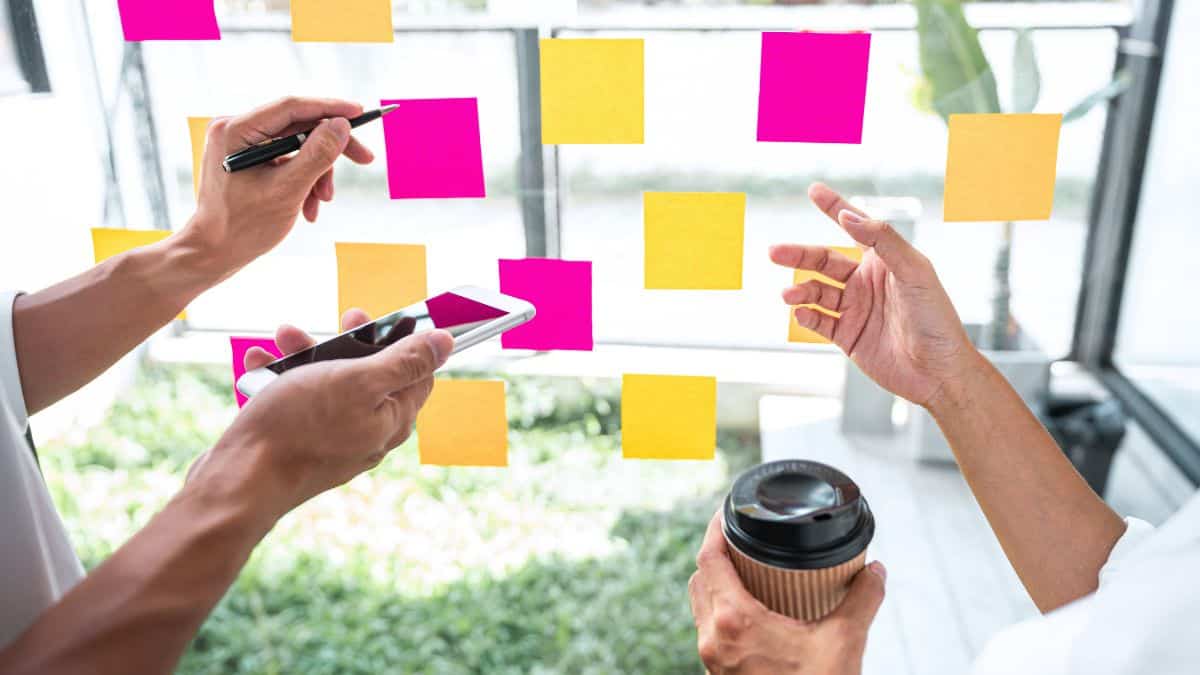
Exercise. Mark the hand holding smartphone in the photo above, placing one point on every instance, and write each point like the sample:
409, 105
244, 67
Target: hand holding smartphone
472, 315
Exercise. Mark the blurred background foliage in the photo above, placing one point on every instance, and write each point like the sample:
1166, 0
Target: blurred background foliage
572, 560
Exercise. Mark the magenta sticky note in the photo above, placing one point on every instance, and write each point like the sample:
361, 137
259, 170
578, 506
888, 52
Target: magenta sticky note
813, 87
168, 20
433, 148
561, 291
240, 346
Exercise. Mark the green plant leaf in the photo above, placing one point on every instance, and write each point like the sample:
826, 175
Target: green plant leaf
1112, 90
1027, 79
953, 61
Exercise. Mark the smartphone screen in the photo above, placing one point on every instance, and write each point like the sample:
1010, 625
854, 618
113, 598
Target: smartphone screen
448, 311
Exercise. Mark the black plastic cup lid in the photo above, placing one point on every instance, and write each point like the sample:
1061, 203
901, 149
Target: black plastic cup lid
797, 514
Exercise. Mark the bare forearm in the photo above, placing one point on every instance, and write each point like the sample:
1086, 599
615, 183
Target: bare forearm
1055, 530
138, 611
68, 334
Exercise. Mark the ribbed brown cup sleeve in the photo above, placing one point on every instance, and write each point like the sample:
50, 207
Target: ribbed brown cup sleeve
807, 595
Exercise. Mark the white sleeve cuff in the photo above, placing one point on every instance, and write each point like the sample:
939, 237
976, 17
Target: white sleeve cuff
1136, 532
11, 395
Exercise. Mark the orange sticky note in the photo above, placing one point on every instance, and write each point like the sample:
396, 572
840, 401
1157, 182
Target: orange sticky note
798, 333
1001, 167
668, 417
198, 128
342, 21
694, 240
108, 242
464, 423
380, 278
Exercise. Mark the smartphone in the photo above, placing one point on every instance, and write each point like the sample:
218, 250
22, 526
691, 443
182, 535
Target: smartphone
472, 315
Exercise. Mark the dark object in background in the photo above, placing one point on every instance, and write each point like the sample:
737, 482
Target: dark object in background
1089, 432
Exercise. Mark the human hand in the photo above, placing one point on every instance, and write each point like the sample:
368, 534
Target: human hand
738, 635
242, 216
320, 425
897, 322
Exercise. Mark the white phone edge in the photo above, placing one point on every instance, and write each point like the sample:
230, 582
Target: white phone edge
517, 312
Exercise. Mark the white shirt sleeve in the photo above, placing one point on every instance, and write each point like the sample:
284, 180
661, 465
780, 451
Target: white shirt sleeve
1136, 533
11, 396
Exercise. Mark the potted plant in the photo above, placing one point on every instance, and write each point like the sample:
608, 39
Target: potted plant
957, 78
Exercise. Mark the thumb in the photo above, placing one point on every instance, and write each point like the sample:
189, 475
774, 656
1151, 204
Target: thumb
320, 150
902, 259
862, 601
407, 362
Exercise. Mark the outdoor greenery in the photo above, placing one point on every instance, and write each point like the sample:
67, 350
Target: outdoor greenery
572, 560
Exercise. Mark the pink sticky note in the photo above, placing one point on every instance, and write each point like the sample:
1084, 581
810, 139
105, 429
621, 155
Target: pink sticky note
240, 346
433, 149
561, 290
813, 87
168, 20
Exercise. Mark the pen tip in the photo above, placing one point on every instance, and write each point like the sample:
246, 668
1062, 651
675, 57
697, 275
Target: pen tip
388, 108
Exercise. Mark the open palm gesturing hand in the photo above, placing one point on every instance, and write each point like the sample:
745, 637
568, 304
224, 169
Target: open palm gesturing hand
897, 322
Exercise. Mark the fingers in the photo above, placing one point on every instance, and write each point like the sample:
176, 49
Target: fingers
816, 321
290, 339
324, 187
405, 363
311, 208
719, 573
818, 259
358, 153
353, 318
273, 119
324, 145
698, 594
904, 261
814, 292
829, 201
257, 357
862, 601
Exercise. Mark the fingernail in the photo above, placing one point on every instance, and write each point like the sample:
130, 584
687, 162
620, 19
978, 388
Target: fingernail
851, 218
878, 568
442, 343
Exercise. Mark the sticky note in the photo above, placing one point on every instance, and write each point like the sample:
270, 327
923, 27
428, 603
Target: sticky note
168, 20
342, 21
239, 346
813, 87
694, 240
109, 242
379, 278
1001, 167
668, 417
593, 91
798, 333
464, 423
561, 291
198, 129
433, 149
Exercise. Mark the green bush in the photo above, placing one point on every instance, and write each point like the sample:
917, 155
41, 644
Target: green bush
572, 560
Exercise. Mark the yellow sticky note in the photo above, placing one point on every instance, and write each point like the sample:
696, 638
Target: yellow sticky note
593, 91
668, 417
1001, 167
109, 242
342, 21
198, 128
798, 333
464, 423
694, 240
380, 278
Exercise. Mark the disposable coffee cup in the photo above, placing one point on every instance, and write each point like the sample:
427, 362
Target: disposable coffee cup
797, 532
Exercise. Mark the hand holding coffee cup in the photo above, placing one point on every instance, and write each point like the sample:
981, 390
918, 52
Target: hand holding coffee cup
745, 633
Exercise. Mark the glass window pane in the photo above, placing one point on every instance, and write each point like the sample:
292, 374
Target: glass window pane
1160, 328
296, 283
701, 107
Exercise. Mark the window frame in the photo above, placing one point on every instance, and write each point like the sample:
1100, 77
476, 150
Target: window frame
1113, 218
31, 59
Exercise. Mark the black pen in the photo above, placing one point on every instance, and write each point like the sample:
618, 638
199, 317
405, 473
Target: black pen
278, 147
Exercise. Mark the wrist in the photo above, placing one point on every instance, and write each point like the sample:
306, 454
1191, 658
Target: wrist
956, 392
200, 254
233, 479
